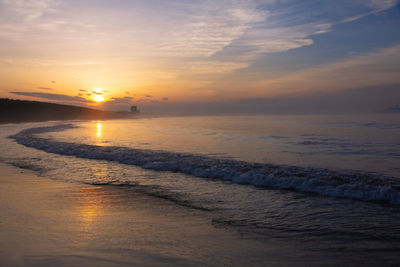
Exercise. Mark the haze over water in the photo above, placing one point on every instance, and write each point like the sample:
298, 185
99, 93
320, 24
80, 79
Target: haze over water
363, 142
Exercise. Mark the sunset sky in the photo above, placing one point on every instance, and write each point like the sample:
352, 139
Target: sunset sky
170, 54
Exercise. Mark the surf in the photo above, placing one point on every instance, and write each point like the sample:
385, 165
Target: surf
345, 184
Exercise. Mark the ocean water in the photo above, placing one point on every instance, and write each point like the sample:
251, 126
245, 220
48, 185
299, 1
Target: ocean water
327, 184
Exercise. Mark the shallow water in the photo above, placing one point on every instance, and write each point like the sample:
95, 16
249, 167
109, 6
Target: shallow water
342, 172
368, 142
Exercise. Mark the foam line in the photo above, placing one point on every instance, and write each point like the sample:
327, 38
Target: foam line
354, 185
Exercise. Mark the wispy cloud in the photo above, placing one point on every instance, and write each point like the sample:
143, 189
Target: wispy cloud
377, 6
258, 41
118, 103
380, 67
27, 9
380, 5
210, 27
57, 97
97, 93
190, 45
238, 29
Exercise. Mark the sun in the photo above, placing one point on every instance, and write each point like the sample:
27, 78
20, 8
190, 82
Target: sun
98, 98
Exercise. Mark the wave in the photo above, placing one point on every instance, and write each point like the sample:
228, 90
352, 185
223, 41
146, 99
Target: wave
347, 184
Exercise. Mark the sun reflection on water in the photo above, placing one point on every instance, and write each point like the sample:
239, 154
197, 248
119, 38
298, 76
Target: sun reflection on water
99, 129
90, 209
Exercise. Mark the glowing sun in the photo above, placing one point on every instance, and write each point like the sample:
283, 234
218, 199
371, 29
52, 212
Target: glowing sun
98, 98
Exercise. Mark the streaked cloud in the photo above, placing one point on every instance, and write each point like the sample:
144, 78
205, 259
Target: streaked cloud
208, 50
237, 29
380, 5
27, 9
118, 103
362, 99
57, 97
97, 92
380, 67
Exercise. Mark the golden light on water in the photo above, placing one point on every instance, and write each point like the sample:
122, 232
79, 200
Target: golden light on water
90, 210
99, 129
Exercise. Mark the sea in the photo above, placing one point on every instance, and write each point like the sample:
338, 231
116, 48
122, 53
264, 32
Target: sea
329, 184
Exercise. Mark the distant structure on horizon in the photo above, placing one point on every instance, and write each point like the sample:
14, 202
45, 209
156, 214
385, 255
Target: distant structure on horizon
134, 109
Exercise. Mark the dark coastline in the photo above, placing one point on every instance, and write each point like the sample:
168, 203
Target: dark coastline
17, 111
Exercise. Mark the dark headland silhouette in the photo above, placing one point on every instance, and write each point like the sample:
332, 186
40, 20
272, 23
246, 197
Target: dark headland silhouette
30, 111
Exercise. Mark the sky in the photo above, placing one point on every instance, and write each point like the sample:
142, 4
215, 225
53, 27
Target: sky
199, 56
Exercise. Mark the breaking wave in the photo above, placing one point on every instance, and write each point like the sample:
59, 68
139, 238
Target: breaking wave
347, 184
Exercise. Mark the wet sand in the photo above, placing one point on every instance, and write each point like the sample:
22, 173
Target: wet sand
50, 223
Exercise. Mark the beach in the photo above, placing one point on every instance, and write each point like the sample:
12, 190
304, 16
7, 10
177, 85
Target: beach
50, 223
199, 133
200, 191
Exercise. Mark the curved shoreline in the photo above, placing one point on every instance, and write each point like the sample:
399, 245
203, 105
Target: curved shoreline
48, 223
360, 186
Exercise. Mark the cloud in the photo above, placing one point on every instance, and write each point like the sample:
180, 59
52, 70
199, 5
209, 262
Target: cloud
58, 97
209, 67
380, 67
362, 99
118, 103
377, 6
97, 93
235, 33
210, 27
82, 90
126, 99
196, 42
380, 5
28, 9
165, 98
45, 88
194, 29
146, 100
129, 93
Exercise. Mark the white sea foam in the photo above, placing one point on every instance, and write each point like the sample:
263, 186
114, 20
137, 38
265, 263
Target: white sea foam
355, 185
